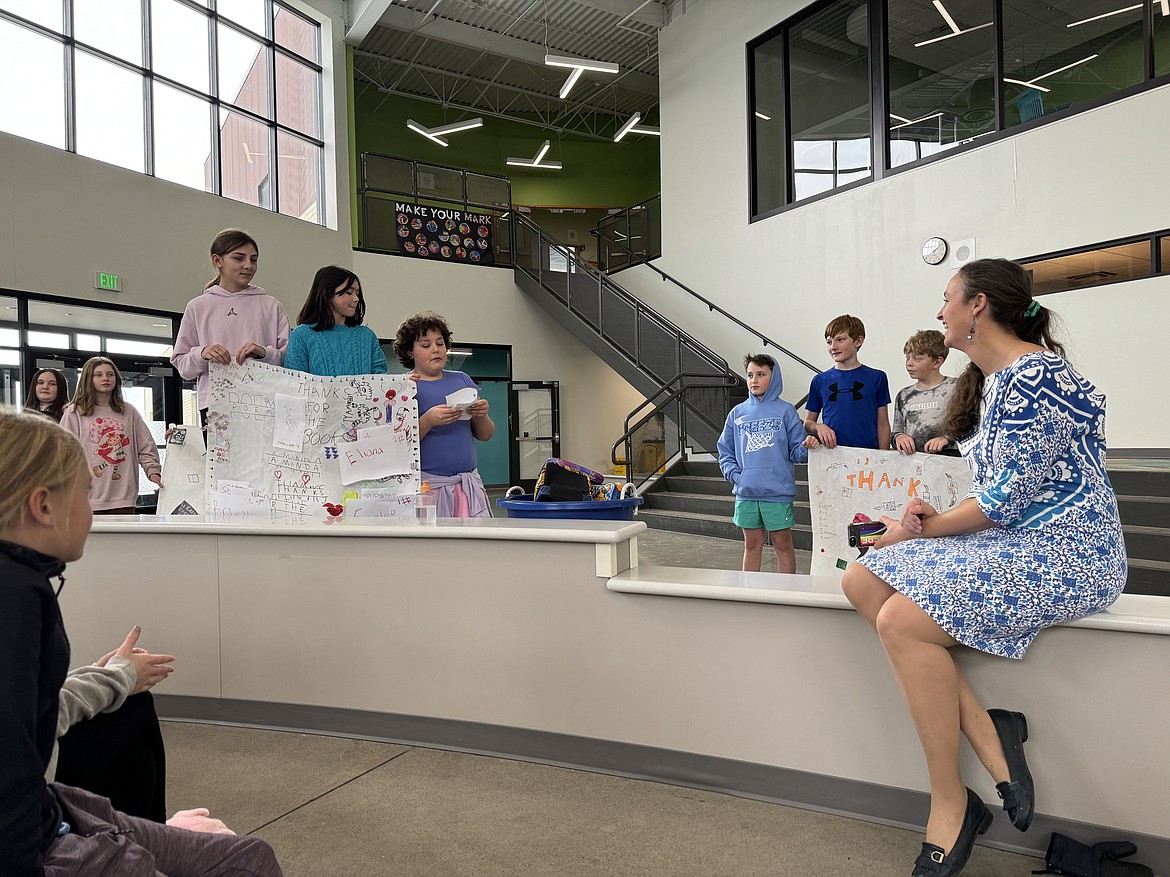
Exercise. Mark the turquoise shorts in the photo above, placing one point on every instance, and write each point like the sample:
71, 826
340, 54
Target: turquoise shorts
751, 514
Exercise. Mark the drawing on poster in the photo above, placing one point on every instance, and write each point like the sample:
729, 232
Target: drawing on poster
185, 456
286, 441
850, 489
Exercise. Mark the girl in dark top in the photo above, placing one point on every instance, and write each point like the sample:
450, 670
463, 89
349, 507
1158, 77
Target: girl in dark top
44, 521
47, 393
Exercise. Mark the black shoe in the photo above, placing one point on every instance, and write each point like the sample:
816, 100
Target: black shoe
1019, 795
933, 862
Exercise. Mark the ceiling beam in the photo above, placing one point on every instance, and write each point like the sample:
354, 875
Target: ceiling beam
642, 11
365, 14
400, 18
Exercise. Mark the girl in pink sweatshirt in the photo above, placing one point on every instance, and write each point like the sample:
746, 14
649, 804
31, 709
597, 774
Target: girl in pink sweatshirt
115, 437
233, 320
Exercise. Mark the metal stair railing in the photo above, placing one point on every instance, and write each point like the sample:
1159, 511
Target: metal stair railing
648, 427
631, 329
654, 251
617, 233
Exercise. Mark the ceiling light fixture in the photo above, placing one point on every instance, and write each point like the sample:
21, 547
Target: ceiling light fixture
438, 133
536, 162
937, 114
955, 29
760, 115
632, 127
1106, 15
579, 66
1031, 83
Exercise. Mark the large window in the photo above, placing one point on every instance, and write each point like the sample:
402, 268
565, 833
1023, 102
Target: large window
227, 100
850, 90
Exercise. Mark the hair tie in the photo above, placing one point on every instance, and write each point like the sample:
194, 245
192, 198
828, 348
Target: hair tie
1033, 309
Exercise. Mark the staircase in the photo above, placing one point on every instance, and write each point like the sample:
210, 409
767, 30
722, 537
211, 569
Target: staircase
693, 497
640, 344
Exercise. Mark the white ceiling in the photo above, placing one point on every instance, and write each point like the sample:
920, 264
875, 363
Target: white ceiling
486, 57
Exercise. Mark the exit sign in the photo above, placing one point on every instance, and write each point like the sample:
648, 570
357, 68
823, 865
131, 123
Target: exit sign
112, 282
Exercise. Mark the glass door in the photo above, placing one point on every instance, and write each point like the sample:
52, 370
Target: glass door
536, 428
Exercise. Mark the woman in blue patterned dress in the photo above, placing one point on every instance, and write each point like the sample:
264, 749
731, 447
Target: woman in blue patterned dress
1036, 542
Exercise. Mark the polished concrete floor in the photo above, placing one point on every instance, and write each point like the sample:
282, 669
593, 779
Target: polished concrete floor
335, 806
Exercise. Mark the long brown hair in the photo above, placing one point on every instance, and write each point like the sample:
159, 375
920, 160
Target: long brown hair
227, 241
86, 396
57, 406
1008, 289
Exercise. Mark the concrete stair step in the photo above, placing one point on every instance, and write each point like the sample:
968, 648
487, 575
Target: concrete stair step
1146, 543
711, 525
1148, 577
1144, 511
1140, 481
705, 503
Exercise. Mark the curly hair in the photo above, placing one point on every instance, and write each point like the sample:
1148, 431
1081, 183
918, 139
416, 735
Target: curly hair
412, 329
928, 342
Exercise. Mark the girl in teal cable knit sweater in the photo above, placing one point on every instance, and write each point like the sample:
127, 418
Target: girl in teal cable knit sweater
330, 339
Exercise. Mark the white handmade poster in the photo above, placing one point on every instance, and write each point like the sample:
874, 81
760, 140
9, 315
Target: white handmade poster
184, 473
856, 486
254, 414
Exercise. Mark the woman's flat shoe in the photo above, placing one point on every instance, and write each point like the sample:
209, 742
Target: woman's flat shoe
1019, 795
933, 862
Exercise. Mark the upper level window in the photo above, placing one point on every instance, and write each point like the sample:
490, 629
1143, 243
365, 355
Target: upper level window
927, 76
227, 100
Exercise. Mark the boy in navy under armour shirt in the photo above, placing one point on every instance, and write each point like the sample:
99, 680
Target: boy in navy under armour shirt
852, 398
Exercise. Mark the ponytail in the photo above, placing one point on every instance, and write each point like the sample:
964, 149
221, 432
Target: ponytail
225, 242
1008, 288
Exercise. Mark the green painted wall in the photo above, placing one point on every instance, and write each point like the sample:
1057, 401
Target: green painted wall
595, 173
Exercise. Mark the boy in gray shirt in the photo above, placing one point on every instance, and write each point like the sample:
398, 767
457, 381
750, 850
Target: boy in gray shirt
919, 408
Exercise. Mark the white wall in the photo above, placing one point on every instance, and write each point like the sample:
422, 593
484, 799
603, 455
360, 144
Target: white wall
1090, 178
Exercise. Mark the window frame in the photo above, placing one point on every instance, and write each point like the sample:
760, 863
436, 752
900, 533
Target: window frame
217, 103
879, 104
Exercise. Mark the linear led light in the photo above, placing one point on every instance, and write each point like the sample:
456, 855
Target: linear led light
424, 131
899, 118
1106, 15
955, 29
632, 127
935, 115
580, 63
1031, 83
436, 134
578, 66
760, 115
536, 162
570, 82
1027, 84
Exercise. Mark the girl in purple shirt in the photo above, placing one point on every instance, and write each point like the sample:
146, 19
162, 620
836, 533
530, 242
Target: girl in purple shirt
446, 438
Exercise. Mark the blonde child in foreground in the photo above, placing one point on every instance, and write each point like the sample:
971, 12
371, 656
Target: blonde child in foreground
50, 828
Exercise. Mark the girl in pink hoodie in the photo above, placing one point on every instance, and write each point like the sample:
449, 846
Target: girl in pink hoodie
115, 437
233, 320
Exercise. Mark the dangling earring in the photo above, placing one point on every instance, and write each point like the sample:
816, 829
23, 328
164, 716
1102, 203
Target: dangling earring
971, 331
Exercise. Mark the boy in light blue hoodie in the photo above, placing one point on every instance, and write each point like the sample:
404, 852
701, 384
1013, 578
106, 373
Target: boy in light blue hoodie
762, 439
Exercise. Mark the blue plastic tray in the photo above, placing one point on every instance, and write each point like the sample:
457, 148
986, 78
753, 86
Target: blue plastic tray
524, 506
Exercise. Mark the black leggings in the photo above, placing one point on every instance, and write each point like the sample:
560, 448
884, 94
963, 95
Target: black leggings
119, 756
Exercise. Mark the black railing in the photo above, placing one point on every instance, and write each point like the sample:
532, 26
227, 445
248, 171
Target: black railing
631, 236
659, 430
387, 181
632, 328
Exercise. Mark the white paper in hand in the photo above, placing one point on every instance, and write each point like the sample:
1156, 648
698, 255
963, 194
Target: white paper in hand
463, 398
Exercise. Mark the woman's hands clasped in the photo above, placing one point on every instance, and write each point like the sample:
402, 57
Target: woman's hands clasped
910, 525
